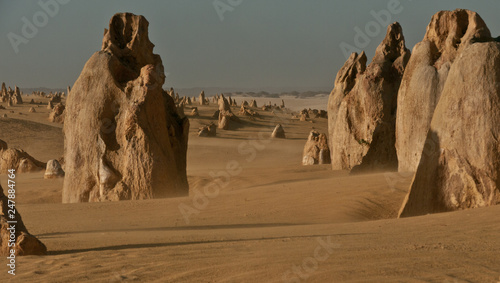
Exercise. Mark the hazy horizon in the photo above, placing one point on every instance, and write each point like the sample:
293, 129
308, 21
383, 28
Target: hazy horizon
239, 44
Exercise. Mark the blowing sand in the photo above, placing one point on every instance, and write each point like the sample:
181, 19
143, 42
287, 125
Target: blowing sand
273, 220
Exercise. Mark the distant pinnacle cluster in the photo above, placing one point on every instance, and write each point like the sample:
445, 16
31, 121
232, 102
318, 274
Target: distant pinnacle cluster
11, 96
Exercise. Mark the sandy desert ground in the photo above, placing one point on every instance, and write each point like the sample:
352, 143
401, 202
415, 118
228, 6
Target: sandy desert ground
274, 220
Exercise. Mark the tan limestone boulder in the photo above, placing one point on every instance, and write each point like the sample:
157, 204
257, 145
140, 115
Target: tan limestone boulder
316, 150
25, 243
53, 170
278, 132
20, 161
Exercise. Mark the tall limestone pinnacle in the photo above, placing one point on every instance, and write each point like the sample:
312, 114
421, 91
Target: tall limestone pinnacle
362, 106
448, 34
459, 164
123, 137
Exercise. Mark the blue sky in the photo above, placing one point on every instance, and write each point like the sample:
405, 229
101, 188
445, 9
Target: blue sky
245, 44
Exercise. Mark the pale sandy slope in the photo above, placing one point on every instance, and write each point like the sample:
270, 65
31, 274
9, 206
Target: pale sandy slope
266, 222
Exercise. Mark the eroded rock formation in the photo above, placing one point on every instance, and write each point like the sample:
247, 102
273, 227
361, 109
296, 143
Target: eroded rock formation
244, 111
58, 113
226, 116
460, 163
16, 96
194, 112
19, 160
53, 170
208, 131
362, 106
316, 150
25, 243
3, 94
448, 34
278, 132
201, 99
123, 136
